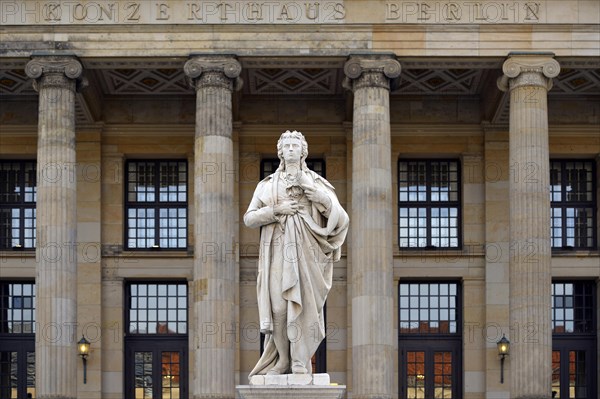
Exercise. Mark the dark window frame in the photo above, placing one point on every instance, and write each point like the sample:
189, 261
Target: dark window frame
156, 205
433, 342
428, 204
4, 297
127, 307
593, 298
564, 204
566, 342
22, 205
21, 343
154, 342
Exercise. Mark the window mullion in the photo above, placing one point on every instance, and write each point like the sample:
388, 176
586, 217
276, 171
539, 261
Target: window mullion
428, 204
157, 203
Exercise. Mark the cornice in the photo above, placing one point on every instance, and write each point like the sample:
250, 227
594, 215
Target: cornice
276, 130
150, 130
412, 130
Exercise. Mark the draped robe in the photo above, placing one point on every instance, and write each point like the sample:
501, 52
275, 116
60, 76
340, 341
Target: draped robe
307, 243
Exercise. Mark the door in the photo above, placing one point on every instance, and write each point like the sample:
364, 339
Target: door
430, 369
573, 369
17, 368
156, 369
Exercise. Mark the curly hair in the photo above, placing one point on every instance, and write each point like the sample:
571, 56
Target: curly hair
292, 135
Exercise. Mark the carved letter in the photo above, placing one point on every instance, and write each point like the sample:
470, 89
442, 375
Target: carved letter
309, 8
162, 12
532, 10
193, 12
134, 11
392, 12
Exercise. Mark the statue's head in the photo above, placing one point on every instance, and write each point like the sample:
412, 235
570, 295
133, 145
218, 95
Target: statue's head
292, 135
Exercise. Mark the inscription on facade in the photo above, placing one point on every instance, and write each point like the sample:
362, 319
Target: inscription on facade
100, 12
186, 12
479, 12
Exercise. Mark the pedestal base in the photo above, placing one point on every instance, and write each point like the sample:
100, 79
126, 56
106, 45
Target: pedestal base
301, 386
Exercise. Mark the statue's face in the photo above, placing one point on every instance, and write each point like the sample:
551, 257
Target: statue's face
292, 150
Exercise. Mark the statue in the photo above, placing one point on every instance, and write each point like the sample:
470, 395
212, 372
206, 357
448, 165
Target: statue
303, 227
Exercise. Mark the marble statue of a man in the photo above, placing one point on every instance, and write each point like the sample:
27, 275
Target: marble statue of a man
303, 227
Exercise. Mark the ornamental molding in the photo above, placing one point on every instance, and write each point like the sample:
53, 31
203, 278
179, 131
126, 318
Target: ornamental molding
528, 70
214, 71
56, 71
371, 71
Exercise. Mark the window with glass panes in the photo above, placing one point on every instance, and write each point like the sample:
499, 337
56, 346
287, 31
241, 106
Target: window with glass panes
17, 339
156, 204
18, 192
574, 339
429, 204
430, 339
157, 308
573, 203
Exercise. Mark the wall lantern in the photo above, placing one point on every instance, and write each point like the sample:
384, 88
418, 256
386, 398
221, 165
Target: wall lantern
83, 348
503, 351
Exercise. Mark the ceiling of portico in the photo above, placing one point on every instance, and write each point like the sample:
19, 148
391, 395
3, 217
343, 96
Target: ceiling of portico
296, 77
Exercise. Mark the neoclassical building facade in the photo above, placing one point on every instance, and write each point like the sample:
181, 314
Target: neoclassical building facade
463, 139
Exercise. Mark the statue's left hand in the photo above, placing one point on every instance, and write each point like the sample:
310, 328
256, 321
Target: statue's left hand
316, 195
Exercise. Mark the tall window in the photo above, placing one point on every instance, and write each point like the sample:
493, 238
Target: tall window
156, 341
429, 204
573, 199
17, 340
18, 192
156, 205
430, 340
574, 342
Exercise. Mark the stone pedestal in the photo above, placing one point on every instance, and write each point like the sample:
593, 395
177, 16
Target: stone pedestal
528, 77
56, 80
301, 386
214, 287
373, 341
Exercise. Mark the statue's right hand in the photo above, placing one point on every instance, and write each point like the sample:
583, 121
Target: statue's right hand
286, 208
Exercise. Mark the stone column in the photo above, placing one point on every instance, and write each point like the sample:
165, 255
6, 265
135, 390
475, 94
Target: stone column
214, 287
373, 342
56, 80
528, 77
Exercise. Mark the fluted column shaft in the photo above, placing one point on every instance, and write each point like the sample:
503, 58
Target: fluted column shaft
213, 288
369, 77
56, 283
528, 78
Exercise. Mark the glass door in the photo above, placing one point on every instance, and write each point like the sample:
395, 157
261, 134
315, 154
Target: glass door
157, 369
430, 370
573, 369
17, 369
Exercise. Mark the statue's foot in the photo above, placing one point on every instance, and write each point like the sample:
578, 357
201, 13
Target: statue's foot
298, 368
281, 367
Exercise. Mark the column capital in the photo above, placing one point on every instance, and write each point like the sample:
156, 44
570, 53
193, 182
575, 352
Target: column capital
528, 70
214, 71
63, 71
371, 70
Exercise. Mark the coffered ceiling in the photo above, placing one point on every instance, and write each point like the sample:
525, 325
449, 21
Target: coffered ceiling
295, 77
